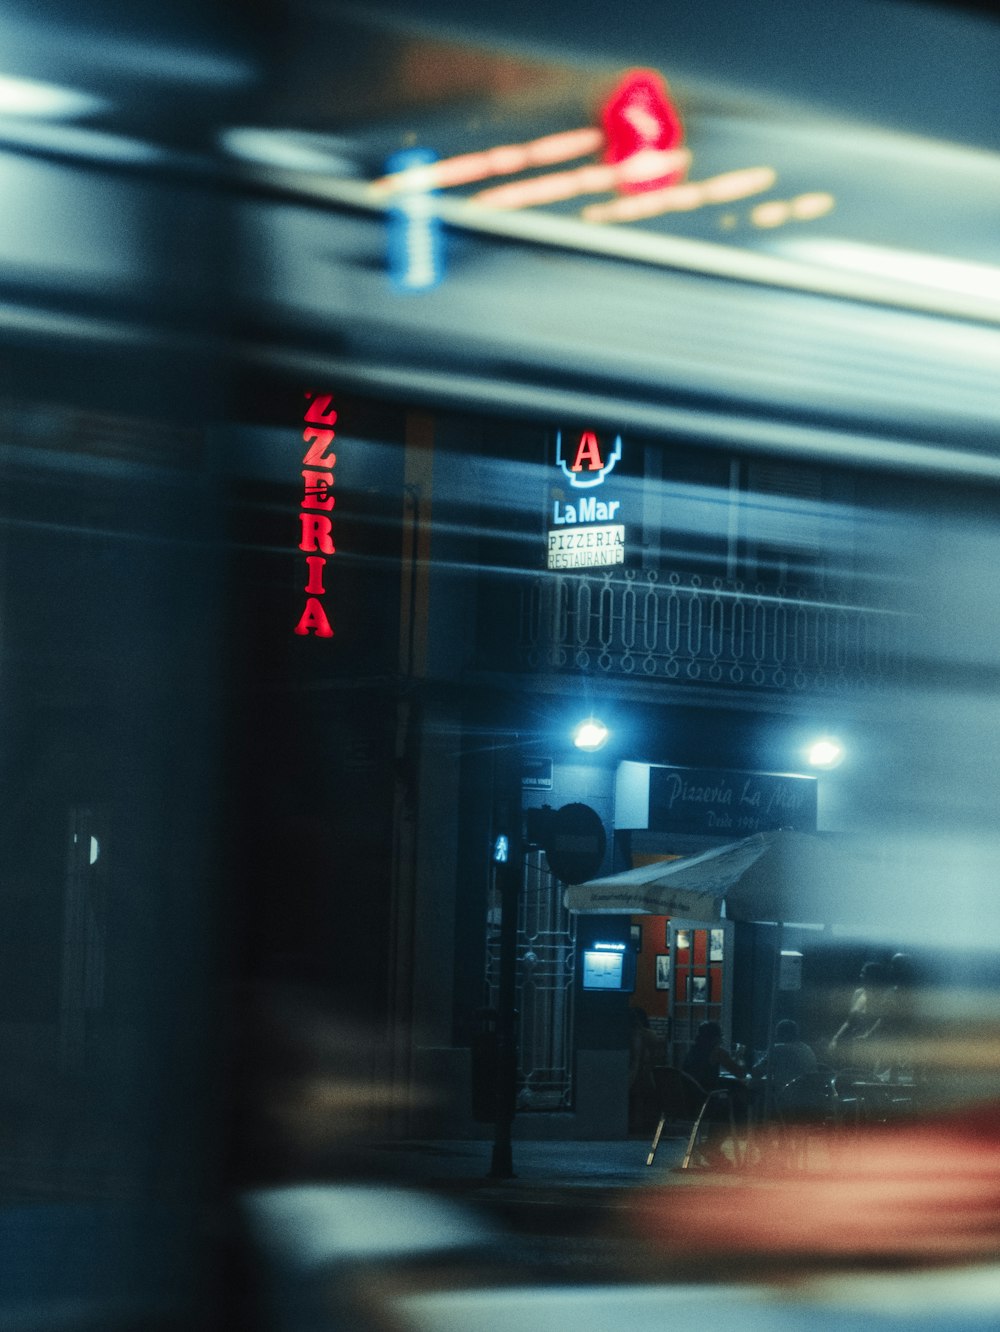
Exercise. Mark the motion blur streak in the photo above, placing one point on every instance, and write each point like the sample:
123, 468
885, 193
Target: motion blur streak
91, 145
471, 167
28, 97
676, 252
841, 447
647, 165
270, 977
925, 270
926, 1192
727, 188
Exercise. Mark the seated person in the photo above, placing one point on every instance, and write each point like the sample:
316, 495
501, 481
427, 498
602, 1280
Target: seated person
789, 1057
708, 1062
708, 1058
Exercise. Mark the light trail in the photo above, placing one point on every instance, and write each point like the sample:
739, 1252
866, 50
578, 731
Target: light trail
725, 188
649, 164
803, 208
505, 160
662, 251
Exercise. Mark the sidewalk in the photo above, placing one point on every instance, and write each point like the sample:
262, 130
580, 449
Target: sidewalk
538, 1164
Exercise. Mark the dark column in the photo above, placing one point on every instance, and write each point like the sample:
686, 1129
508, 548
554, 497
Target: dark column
508, 867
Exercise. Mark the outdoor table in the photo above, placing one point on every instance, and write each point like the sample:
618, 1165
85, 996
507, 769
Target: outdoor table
876, 1100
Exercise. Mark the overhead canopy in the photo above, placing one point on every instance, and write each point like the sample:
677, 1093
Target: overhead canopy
780, 876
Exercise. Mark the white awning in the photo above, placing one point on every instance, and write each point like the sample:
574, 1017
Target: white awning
780, 876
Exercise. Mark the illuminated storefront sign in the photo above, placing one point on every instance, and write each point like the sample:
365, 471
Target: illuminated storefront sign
586, 547
583, 532
585, 461
316, 527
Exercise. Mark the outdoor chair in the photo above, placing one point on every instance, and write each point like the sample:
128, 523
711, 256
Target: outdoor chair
684, 1101
807, 1109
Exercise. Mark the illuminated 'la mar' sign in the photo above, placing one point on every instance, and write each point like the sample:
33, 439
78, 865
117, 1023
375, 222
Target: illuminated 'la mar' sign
316, 507
585, 521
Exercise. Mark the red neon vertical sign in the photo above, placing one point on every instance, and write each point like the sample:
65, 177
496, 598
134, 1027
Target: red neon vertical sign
315, 523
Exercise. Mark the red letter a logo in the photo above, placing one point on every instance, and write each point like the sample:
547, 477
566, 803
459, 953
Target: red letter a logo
587, 451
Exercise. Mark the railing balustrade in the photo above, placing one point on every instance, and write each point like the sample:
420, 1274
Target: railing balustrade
708, 631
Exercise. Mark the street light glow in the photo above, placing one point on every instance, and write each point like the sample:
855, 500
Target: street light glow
590, 735
826, 753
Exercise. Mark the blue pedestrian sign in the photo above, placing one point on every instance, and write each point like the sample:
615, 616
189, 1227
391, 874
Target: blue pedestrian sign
416, 241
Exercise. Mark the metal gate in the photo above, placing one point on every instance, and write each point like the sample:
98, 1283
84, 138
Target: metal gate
546, 951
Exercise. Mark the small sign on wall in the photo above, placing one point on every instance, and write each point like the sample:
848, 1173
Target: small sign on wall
790, 970
536, 774
587, 547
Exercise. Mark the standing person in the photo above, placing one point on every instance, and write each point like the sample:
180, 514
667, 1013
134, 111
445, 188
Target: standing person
868, 1006
899, 1027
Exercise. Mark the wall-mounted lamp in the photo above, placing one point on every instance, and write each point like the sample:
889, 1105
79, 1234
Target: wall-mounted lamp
825, 753
590, 735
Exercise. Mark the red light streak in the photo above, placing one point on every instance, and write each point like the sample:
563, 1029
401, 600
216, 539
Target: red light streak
924, 1190
807, 206
644, 163
649, 165
803, 208
725, 188
467, 168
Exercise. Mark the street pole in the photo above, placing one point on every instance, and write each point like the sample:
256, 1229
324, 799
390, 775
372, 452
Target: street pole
508, 864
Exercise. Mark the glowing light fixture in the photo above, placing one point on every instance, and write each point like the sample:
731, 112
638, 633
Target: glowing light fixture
825, 753
590, 735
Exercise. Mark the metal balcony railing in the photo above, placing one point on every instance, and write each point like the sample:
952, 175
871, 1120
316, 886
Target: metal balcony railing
687, 629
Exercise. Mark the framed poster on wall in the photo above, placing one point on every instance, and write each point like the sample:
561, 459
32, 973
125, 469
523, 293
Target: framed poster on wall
663, 971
